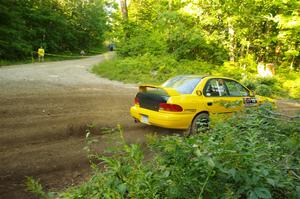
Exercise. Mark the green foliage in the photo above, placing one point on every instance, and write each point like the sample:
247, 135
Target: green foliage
188, 42
265, 86
254, 154
58, 26
213, 31
149, 68
293, 87
285, 85
36, 188
241, 158
12, 35
138, 45
264, 90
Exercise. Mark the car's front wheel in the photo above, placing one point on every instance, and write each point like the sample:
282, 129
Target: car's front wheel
199, 124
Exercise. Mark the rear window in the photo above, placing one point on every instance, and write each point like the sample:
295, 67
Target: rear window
183, 84
157, 91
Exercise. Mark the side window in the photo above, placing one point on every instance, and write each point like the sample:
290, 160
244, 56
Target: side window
236, 89
215, 87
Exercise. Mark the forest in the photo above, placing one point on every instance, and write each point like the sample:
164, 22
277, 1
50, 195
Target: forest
213, 31
157, 39
58, 26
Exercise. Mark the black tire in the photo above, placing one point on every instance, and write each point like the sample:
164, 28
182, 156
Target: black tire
200, 124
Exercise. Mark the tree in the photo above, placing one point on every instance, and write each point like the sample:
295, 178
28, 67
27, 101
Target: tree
58, 25
216, 30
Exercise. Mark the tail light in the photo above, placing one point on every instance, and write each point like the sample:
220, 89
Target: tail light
136, 101
170, 107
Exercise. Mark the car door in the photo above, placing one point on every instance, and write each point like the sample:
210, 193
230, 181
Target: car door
239, 96
216, 96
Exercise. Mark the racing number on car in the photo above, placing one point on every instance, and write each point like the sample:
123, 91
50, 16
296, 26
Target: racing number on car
250, 101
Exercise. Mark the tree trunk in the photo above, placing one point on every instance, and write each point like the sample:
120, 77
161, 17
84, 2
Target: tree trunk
124, 9
170, 5
231, 41
292, 63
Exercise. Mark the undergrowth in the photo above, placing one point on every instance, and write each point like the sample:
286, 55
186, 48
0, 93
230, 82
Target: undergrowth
156, 69
54, 57
253, 154
149, 68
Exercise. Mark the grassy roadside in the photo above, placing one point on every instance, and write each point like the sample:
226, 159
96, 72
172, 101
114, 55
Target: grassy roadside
53, 57
149, 69
60, 57
157, 69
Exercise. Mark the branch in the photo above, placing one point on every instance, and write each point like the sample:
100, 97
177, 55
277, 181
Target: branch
284, 115
274, 118
294, 174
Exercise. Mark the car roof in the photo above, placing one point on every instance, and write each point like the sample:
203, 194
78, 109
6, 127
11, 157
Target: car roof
201, 76
204, 76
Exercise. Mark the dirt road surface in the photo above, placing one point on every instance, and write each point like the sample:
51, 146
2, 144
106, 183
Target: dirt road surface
44, 112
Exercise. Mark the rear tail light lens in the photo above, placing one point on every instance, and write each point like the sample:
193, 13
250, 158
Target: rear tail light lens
136, 101
170, 107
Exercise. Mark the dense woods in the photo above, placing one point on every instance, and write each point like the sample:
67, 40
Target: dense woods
214, 31
57, 25
158, 39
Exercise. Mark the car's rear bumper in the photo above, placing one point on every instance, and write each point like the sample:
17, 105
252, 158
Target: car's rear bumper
162, 119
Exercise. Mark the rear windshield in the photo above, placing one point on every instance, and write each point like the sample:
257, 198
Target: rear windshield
183, 84
157, 91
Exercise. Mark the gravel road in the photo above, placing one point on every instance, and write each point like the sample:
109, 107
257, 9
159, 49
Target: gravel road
44, 113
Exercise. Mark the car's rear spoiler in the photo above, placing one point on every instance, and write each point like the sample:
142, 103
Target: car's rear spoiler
169, 91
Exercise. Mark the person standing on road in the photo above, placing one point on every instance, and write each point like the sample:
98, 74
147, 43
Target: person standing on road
111, 47
41, 54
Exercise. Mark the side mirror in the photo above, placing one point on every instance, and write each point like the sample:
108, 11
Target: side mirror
252, 93
199, 93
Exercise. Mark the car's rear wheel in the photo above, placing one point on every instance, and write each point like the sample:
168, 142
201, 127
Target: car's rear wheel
200, 124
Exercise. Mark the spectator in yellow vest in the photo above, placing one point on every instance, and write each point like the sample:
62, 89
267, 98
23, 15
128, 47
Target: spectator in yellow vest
41, 54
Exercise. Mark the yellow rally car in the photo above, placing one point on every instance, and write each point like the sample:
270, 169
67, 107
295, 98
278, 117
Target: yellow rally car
187, 101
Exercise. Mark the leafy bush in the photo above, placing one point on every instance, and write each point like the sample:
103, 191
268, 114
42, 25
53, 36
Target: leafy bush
246, 157
189, 43
249, 83
293, 87
274, 86
143, 43
230, 69
264, 90
254, 154
149, 68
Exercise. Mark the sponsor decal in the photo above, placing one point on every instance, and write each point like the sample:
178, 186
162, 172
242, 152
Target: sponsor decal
250, 101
